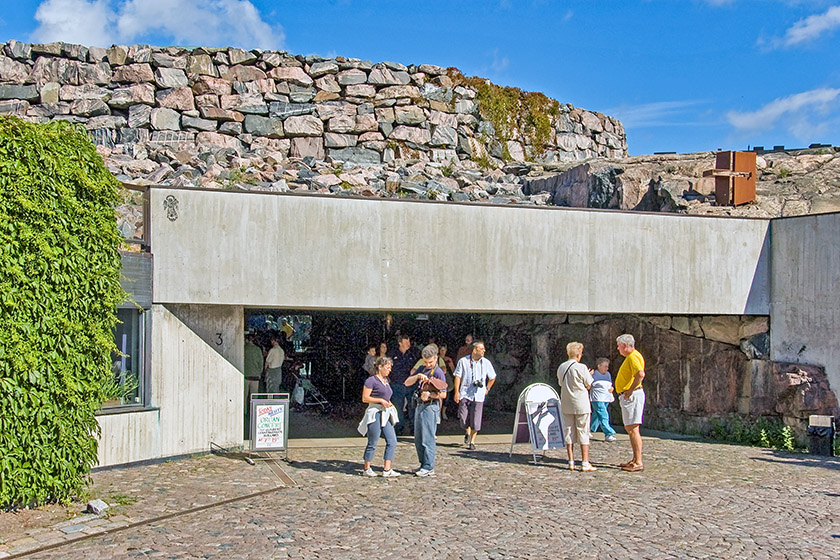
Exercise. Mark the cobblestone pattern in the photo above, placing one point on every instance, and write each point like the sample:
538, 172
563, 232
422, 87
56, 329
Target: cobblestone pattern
694, 500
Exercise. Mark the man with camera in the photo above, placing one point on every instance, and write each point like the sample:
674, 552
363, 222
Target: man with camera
429, 386
474, 376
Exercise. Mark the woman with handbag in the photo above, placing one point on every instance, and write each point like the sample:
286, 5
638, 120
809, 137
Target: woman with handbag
380, 417
575, 380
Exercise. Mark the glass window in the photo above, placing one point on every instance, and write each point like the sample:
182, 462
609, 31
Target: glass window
129, 360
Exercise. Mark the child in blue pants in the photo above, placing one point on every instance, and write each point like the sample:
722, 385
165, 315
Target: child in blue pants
601, 396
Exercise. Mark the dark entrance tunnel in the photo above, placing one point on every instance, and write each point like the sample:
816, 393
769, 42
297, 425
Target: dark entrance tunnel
333, 343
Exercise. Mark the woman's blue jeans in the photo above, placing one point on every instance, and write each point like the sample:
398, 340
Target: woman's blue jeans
601, 417
376, 429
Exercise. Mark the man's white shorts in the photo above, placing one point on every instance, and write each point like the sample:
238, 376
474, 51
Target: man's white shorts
632, 408
576, 428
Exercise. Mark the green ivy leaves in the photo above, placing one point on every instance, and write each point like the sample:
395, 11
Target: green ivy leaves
59, 287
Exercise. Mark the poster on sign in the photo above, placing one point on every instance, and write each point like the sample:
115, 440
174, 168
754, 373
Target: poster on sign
270, 426
546, 425
269, 421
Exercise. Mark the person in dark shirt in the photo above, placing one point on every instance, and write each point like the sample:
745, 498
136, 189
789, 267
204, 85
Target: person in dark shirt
464, 350
403, 359
428, 408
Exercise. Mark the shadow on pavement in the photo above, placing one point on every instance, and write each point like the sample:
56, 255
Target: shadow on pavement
832, 463
329, 465
522, 458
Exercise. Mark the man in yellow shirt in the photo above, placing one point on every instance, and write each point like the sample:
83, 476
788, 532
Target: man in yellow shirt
628, 383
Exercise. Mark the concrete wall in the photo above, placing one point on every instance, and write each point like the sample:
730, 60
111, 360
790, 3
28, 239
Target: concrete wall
129, 437
221, 327
198, 395
290, 251
805, 306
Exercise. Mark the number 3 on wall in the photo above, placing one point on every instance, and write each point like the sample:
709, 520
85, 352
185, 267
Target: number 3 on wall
219, 341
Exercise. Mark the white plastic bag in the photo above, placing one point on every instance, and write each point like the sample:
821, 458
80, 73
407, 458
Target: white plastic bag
298, 394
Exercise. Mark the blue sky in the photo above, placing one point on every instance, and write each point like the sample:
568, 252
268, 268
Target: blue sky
682, 75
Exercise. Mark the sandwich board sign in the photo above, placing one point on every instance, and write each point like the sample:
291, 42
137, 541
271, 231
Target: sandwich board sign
538, 419
269, 421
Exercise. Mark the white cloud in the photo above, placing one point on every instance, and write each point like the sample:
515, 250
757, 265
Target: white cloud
220, 22
795, 110
74, 21
660, 113
810, 28
499, 64
102, 22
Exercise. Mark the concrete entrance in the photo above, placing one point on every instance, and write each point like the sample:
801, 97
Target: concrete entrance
220, 253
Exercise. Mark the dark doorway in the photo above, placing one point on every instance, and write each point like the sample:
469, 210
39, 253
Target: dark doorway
332, 344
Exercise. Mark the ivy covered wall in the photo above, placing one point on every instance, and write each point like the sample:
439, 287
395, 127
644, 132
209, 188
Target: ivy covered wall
59, 286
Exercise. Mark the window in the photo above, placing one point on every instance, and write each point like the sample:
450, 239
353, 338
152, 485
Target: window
128, 364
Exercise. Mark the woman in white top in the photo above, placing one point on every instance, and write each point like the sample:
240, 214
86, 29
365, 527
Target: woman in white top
575, 380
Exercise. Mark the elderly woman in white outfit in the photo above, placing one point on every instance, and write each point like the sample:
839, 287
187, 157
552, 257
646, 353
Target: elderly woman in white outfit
575, 380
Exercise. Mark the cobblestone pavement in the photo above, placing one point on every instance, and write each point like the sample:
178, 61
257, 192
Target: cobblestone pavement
694, 500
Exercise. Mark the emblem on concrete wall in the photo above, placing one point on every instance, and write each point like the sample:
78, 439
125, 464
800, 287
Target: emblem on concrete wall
170, 204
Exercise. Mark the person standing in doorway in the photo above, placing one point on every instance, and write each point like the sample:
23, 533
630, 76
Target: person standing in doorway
403, 359
370, 357
628, 384
474, 376
274, 366
465, 349
428, 398
254, 364
448, 368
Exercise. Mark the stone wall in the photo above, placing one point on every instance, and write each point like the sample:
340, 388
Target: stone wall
697, 367
134, 99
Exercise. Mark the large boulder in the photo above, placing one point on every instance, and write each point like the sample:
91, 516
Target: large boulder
790, 390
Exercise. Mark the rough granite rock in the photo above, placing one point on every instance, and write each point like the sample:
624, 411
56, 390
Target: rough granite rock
788, 183
134, 73
304, 125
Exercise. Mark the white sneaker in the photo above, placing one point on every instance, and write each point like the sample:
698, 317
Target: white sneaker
369, 472
391, 473
424, 472
609, 439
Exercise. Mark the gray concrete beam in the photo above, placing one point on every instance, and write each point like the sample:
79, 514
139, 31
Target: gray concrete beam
287, 251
